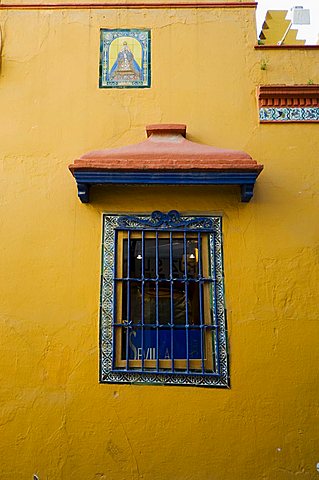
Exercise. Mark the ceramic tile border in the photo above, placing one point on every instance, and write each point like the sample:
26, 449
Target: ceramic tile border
109, 374
288, 115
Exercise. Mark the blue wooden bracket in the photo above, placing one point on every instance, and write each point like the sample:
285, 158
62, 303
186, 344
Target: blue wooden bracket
83, 192
85, 179
247, 191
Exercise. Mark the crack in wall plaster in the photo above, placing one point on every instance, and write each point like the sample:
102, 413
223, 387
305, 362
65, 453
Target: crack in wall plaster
137, 472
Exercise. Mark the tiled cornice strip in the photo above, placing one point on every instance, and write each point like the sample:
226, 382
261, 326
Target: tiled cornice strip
289, 96
99, 5
292, 115
284, 103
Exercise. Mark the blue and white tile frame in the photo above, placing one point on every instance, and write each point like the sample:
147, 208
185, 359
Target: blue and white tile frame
289, 114
162, 222
125, 58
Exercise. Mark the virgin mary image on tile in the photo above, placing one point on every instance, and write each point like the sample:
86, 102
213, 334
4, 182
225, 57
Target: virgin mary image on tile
125, 59
125, 67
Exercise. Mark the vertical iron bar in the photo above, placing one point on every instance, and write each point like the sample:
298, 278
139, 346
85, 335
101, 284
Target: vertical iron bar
186, 300
200, 292
142, 306
128, 296
156, 300
171, 296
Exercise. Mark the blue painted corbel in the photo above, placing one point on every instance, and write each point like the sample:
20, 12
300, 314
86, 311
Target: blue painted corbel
84, 192
247, 192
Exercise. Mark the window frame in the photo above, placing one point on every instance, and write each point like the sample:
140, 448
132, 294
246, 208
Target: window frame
110, 370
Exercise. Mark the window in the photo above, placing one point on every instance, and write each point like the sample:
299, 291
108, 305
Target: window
162, 305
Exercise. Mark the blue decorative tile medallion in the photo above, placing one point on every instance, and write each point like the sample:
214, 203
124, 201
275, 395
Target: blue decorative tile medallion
289, 114
125, 58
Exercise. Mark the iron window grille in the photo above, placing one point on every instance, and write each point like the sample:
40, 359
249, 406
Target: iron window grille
162, 314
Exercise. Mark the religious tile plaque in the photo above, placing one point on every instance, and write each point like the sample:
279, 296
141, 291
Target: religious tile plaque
125, 60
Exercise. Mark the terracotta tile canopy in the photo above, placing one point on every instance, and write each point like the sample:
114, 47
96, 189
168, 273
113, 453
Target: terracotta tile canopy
166, 157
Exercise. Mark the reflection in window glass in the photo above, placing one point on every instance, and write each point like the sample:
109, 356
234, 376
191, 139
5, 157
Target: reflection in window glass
164, 300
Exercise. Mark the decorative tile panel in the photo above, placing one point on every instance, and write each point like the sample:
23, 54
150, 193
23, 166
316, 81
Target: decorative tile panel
284, 103
125, 58
289, 114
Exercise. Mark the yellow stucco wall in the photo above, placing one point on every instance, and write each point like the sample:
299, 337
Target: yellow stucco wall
56, 420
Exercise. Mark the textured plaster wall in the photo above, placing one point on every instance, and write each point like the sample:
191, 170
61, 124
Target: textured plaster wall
56, 421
